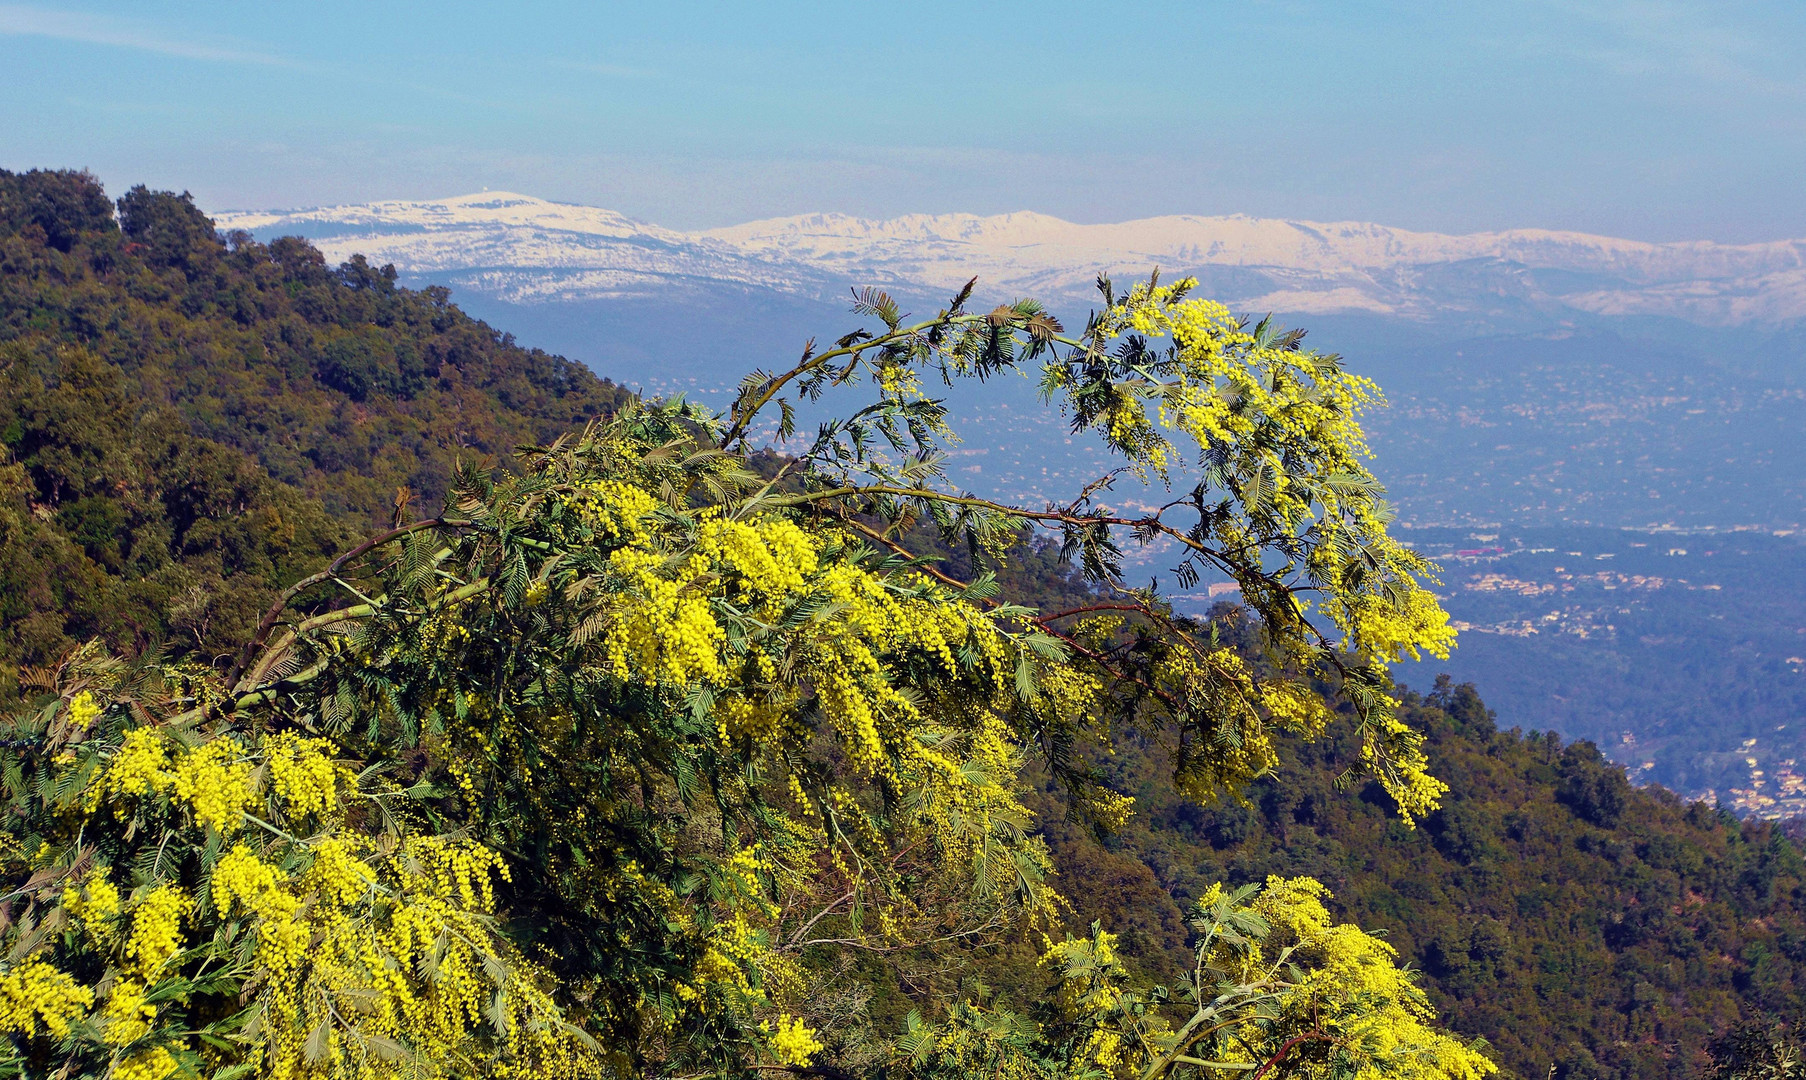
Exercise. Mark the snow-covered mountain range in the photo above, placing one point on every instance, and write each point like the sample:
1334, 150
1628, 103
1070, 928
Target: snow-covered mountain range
524, 250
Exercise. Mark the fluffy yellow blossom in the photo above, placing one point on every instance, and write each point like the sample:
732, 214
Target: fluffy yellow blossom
1395, 753
770, 558
83, 710
156, 930
128, 1016
35, 992
152, 1064
303, 773
792, 1042
1351, 977
140, 766
95, 903
243, 880
216, 781
666, 632
614, 509
338, 873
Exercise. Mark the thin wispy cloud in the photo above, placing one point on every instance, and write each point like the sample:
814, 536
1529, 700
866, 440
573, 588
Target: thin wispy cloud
21, 21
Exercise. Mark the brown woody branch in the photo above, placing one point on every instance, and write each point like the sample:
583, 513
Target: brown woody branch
248, 651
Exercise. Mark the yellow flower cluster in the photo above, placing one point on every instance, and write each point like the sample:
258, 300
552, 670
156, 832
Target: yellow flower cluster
389, 953
153, 1064
83, 710
337, 874
403, 943
128, 1016
1393, 630
1091, 986
95, 904
615, 510
742, 872
242, 880
667, 635
792, 1042
665, 631
156, 930
34, 992
139, 768
155, 940
1282, 427
770, 560
1395, 753
215, 780
1295, 974
303, 774
1351, 980
939, 733
759, 718
733, 953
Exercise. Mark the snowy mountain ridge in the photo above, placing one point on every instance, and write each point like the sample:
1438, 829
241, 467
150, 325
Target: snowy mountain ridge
528, 250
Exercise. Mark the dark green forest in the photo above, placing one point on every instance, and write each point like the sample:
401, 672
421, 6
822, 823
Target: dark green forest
192, 421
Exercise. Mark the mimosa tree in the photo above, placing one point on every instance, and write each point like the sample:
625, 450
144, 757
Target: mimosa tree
609, 766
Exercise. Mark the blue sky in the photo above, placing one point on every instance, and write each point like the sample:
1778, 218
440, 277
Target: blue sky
1655, 119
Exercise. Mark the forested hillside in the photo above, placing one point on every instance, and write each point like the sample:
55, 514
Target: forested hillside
191, 424
192, 421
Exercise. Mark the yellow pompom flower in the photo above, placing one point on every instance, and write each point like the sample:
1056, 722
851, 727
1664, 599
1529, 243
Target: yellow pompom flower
243, 880
83, 710
140, 766
216, 782
793, 1043
128, 1016
303, 773
35, 992
153, 1064
95, 903
338, 873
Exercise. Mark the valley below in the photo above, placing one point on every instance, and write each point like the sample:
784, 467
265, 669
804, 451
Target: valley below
1681, 654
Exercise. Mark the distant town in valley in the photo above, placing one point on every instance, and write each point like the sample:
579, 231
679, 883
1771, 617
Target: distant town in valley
1672, 650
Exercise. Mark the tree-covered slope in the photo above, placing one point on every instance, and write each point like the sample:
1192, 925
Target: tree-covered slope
191, 423
118, 523
336, 381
